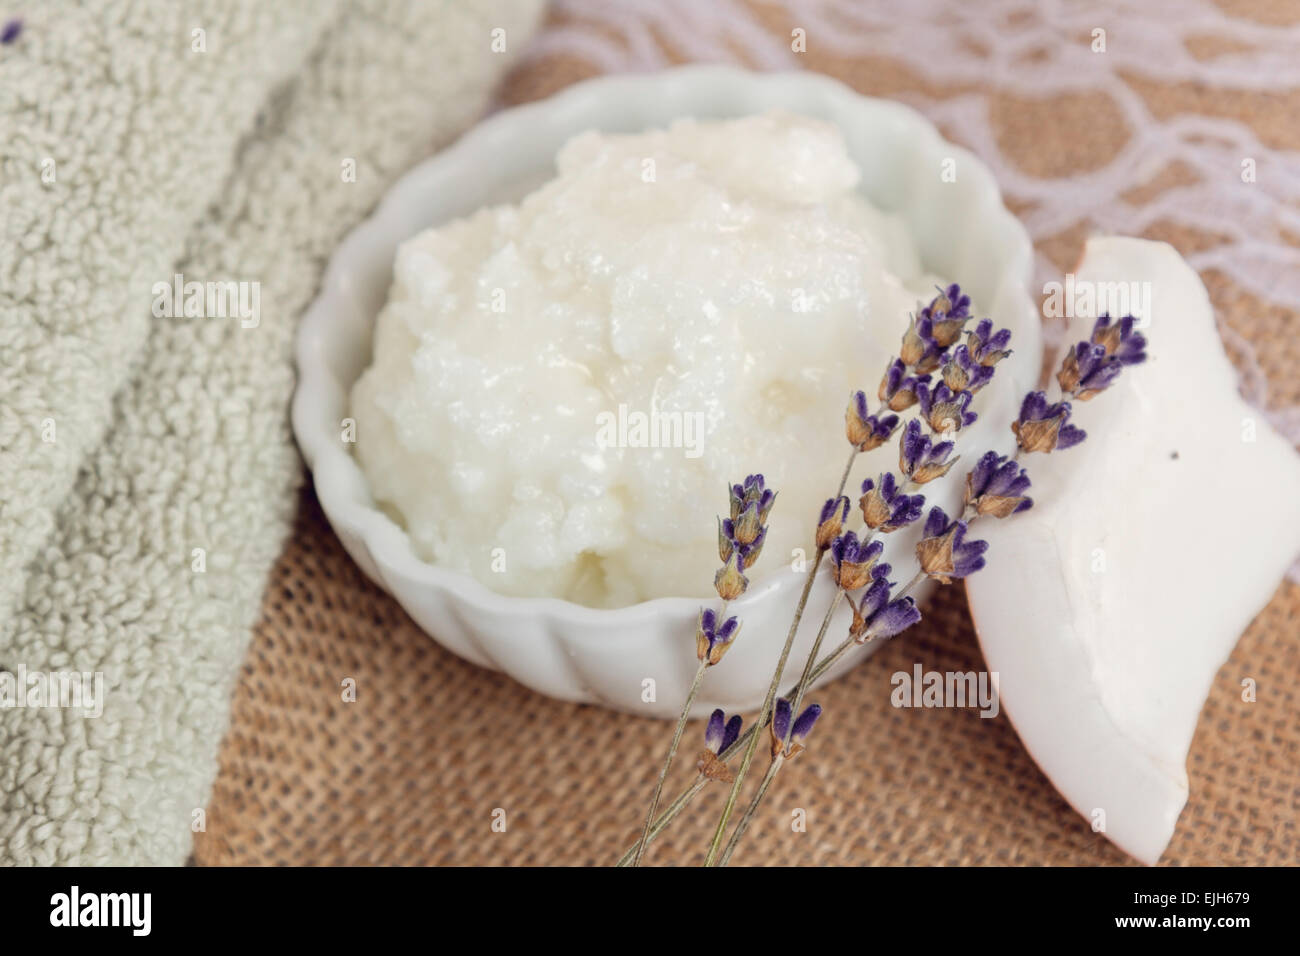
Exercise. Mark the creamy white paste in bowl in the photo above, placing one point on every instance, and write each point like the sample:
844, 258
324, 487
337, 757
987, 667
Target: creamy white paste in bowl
563, 388
531, 375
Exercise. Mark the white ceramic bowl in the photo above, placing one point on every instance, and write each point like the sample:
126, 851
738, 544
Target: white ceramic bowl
577, 653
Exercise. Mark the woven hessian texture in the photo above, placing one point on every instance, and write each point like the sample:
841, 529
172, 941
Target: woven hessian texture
413, 771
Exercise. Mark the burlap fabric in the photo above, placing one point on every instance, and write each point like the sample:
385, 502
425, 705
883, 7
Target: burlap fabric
414, 770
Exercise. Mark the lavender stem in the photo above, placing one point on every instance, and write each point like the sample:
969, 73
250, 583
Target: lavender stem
687, 795
752, 809
772, 687
672, 752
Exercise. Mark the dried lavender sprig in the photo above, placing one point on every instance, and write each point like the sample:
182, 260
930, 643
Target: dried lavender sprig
944, 553
921, 460
810, 677
1087, 370
740, 542
693, 789
876, 572
863, 432
898, 613
897, 621
853, 562
855, 567
996, 486
942, 324
787, 742
831, 516
883, 618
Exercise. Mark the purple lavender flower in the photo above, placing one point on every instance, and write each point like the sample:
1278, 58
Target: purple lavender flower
749, 552
919, 350
884, 506
781, 728
943, 553
719, 735
745, 531
11, 31
852, 560
919, 459
943, 319
963, 373
996, 486
986, 347
730, 534
720, 732
729, 540
730, 581
713, 639
748, 526
755, 492
1121, 341
1087, 371
1091, 367
945, 410
866, 432
1044, 427
897, 388
831, 520
876, 616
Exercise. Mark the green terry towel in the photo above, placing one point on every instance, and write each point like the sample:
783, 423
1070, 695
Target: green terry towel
147, 469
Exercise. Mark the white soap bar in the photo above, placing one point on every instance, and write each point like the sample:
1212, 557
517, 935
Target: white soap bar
1108, 608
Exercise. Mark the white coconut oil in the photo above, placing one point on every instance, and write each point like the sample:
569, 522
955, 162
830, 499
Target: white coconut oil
562, 389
